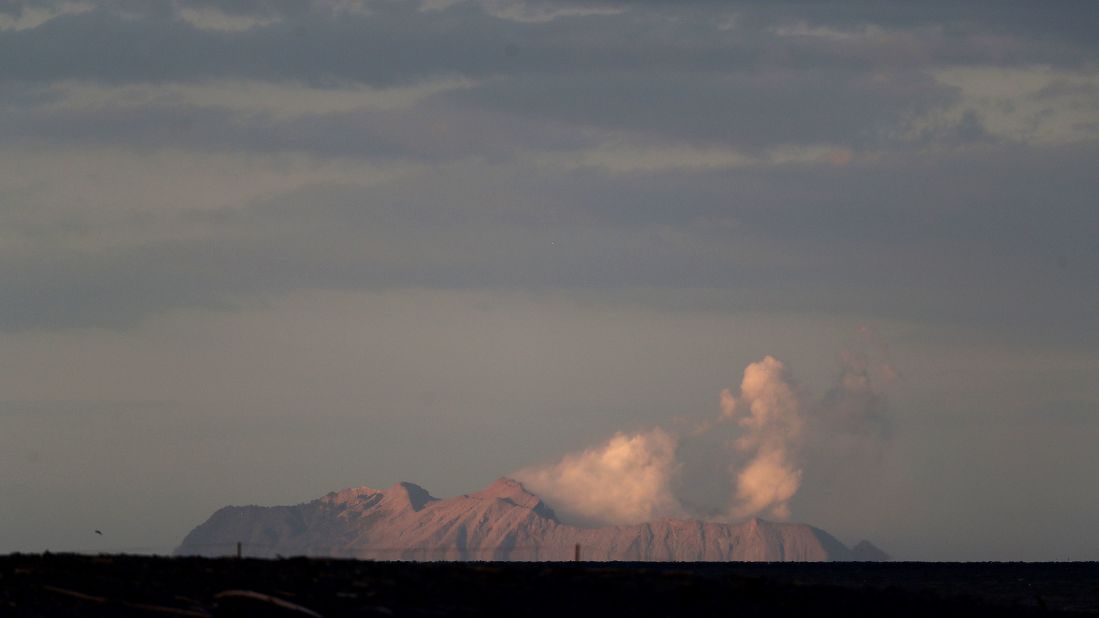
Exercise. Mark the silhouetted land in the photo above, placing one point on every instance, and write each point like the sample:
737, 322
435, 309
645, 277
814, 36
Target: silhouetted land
113, 585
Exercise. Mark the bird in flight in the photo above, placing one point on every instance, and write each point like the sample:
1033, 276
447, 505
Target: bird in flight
99, 533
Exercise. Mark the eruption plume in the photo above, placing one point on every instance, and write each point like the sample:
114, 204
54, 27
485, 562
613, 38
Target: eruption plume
626, 480
771, 432
772, 415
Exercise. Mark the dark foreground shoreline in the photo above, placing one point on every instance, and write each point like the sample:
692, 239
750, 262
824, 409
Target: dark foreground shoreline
127, 585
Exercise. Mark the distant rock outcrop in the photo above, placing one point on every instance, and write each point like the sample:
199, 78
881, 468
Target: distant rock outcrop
502, 522
865, 551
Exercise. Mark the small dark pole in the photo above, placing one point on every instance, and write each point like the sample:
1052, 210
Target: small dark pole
238, 549
576, 557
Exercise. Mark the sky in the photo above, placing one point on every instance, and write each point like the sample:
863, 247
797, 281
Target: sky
254, 251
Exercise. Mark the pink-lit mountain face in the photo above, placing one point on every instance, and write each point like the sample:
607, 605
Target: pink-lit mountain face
501, 522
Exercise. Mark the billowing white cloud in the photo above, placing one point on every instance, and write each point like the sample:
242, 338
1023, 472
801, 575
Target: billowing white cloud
636, 477
628, 479
766, 485
772, 415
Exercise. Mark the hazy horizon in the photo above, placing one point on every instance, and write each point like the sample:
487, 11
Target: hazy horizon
827, 262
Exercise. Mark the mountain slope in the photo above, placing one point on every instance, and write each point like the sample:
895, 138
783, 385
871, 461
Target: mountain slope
500, 522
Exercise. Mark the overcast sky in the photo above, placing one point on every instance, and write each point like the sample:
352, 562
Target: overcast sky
255, 251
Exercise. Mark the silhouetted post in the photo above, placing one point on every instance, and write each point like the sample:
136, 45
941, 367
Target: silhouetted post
238, 549
576, 557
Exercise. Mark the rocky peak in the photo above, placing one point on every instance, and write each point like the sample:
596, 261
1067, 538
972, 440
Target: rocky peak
410, 494
865, 551
512, 491
351, 494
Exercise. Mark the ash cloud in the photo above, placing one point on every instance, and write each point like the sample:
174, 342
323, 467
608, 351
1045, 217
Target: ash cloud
852, 417
770, 431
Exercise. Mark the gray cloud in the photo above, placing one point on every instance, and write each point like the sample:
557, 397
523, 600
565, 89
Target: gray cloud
746, 108
898, 239
395, 42
640, 75
430, 132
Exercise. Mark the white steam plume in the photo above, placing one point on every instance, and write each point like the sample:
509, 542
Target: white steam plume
626, 480
772, 415
776, 433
